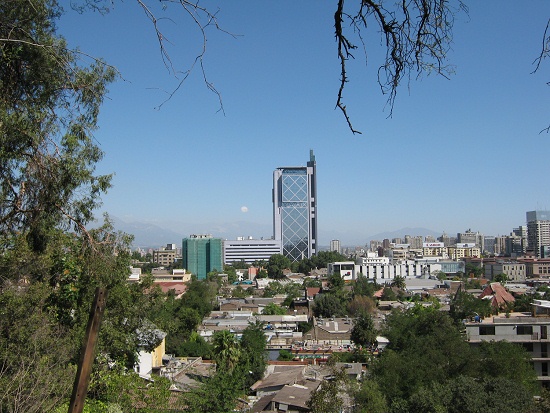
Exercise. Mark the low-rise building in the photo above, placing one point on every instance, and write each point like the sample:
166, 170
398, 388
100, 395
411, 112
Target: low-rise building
515, 271
166, 256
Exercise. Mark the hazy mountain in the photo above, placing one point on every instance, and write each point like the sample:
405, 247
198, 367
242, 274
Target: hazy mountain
155, 235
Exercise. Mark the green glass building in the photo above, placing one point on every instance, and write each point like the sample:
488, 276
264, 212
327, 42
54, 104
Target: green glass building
202, 254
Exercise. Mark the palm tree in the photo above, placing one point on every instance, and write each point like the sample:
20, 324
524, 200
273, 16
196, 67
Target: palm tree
226, 349
399, 282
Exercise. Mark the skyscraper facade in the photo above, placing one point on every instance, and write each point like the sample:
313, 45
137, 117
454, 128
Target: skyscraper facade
538, 232
295, 209
202, 254
335, 245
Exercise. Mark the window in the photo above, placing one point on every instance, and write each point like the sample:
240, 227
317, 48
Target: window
528, 347
486, 330
524, 330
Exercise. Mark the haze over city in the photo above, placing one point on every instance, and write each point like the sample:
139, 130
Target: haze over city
456, 154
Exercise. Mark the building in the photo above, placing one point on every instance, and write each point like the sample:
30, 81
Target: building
295, 210
460, 251
165, 256
538, 231
515, 271
202, 254
249, 250
335, 245
470, 237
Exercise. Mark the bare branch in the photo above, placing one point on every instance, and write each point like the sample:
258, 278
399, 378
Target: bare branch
416, 36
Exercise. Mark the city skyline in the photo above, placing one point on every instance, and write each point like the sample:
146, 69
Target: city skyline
456, 154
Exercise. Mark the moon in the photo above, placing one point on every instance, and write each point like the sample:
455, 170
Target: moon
244, 209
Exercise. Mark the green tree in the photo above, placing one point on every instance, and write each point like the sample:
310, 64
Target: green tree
253, 345
274, 309
465, 306
332, 395
328, 305
226, 350
363, 332
399, 282
335, 282
388, 294
362, 286
500, 278
370, 399
276, 264
49, 108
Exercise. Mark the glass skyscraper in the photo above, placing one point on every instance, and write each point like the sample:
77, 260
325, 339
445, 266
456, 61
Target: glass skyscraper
295, 210
202, 254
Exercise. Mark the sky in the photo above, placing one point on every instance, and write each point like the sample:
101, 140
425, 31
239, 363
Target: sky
457, 154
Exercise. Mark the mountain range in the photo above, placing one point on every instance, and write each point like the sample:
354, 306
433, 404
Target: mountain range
150, 235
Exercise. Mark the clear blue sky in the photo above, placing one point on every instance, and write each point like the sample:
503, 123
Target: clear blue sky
457, 154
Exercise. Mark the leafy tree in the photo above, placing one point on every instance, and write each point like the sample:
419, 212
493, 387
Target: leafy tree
274, 309
362, 286
253, 345
200, 295
49, 108
335, 282
523, 303
370, 399
361, 304
331, 395
35, 374
328, 305
500, 278
363, 332
311, 283
473, 270
285, 355
388, 294
276, 264
218, 394
465, 306
273, 288
195, 346
323, 258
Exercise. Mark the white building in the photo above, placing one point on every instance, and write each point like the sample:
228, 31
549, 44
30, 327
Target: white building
249, 250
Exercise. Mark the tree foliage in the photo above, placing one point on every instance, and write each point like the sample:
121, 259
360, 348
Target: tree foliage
429, 367
49, 107
276, 264
363, 332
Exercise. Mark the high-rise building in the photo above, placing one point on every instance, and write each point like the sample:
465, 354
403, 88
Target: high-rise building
202, 254
538, 231
335, 245
295, 209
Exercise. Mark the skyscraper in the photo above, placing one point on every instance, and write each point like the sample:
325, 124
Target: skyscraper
295, 209
538, 231
335, 245
202, 254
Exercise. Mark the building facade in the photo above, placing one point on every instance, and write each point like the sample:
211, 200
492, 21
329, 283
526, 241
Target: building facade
165, 256
202, 254
295, 210
335, 245
538, 231
249, 250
